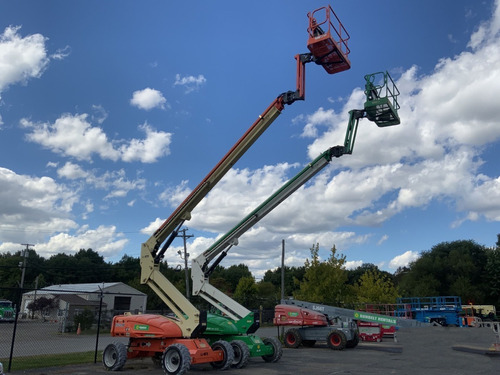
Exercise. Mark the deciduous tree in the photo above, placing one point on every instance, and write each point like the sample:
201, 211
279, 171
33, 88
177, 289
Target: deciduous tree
246, 292
325, 282
374, 287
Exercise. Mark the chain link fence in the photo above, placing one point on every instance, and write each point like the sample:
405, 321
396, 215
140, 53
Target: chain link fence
45, 331
41, 324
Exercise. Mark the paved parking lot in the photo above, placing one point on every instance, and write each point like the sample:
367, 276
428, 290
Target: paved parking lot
38, 338
429, 351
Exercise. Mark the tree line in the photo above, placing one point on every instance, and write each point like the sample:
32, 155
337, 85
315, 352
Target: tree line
460, 268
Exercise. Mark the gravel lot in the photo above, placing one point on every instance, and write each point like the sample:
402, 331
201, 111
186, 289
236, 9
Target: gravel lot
429, 351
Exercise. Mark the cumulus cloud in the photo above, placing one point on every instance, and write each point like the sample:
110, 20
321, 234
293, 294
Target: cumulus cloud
173, 196
72, 171
148, 99
116, 182
41, 209
152, 227
230, 198
403, 259
190, 83
147, 150
353, 264
448, 118
105, 239
74, 135
33, 207
21, 58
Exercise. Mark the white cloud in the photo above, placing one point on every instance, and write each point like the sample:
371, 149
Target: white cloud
72, 171
448, 117
99, 114
384, 238
41, 209
152, 227
61, 53
190, 83
238, 193
403, 259
33, 207
21, 58
74, 135
488, 31
115, 182
353, 264
321, 117
148, 150
148, 99
174, 196
104, 240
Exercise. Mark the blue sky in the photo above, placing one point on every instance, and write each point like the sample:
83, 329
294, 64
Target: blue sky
111, 111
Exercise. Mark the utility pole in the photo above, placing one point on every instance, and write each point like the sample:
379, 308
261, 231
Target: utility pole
22, 264
282, 269
186, 256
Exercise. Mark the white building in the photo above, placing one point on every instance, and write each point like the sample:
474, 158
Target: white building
73, 298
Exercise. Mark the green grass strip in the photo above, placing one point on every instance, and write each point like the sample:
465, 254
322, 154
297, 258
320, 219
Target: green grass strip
50, 360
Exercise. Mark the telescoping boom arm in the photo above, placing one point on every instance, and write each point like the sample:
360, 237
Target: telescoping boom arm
152, 251
205, 263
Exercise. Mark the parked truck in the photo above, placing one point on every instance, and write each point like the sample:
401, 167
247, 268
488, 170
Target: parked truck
310, 322
7, 311
311, 326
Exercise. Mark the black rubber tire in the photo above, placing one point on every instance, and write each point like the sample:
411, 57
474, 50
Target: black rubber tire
292, 338
308, 343
354, 342
241, 354
176, 360
228, 355
336, 340
277, 349
114, 356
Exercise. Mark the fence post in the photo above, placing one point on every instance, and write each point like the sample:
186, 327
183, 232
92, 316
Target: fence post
15, 328
98, 326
